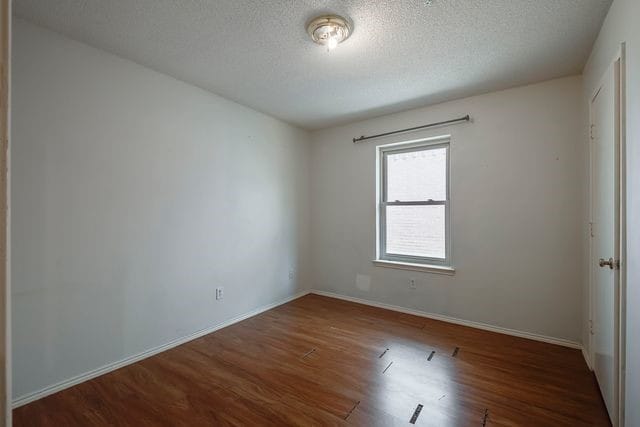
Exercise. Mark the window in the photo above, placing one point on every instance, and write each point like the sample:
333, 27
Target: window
413, 198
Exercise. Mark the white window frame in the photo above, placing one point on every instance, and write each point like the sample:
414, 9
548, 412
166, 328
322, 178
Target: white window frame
407, 261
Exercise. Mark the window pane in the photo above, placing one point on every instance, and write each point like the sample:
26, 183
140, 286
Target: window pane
416, 231
417, 175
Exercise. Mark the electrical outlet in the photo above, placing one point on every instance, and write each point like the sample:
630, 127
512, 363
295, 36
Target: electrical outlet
412, 283
292, 274
219, 293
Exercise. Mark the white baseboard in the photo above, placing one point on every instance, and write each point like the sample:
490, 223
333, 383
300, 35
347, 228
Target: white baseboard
54, 388
587, 359
477, 325
39, 394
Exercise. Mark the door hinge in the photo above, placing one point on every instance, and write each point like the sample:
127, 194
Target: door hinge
591, 131
591, 327
591, 229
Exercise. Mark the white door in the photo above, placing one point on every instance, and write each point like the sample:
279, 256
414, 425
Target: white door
605, 202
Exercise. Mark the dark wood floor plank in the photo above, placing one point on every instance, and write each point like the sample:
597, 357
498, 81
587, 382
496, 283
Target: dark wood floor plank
322, 361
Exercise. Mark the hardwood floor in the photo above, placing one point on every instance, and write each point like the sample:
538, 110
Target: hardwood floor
322, 361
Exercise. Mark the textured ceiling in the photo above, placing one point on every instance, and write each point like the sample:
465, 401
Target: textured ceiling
402, 54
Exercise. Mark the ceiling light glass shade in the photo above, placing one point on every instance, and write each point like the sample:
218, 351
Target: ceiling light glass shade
329, 30
332, 42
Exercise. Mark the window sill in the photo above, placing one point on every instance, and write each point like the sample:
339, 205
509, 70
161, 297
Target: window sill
425, 268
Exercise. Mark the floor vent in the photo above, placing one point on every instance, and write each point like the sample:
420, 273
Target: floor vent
308, 353
352, 409
416, 414
484, 419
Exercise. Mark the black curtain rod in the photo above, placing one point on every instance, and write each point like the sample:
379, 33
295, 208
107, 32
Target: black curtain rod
430, 125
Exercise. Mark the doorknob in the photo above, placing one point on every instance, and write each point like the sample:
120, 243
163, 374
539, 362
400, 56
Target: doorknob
610, 263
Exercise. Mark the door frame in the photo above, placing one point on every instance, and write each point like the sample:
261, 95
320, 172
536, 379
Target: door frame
5, 293
619, 64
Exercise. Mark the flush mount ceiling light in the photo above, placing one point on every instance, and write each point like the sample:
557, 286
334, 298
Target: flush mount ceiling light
329, 30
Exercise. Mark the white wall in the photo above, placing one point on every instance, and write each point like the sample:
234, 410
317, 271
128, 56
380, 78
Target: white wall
134, 196
621, 25
517, 203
